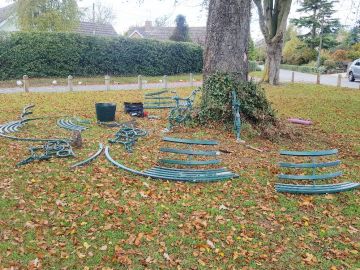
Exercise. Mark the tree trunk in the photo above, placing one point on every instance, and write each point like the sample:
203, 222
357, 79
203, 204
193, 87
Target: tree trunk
272, 62
227, 38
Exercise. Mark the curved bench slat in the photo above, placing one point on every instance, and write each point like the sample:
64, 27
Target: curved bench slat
189, 162
88, 160
190, 152
189, 174
309, 153
189, 170
309, 165
192, 180
316, 189
190, 141
310, 177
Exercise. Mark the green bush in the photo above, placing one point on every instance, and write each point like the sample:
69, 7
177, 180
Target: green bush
62, 54
217, 102
330, 64
253, 66
304, 69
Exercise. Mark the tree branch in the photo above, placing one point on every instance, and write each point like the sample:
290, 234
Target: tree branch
263, 27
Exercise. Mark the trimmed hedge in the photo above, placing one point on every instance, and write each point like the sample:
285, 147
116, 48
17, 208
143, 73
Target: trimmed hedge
304, 69
62, 54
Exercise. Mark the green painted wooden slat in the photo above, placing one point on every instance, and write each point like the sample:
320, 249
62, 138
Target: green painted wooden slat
190, 152
189, 141
184, 173
158, 103
310, 177
157, 98
309, 165
223, 169
158, 107
309, 153
316, 189
156, 93
189, 162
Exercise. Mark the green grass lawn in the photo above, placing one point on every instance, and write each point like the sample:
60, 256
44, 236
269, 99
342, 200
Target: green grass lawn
100, 80
99, 217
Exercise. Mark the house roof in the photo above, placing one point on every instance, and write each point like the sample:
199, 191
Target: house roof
197, 34
6, 12
98, 29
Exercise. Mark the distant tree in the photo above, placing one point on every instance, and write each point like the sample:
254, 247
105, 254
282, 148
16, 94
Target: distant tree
162, 21
296, 52
98, 13
47, 15
319, 22
181, 31
354, 35
252, 50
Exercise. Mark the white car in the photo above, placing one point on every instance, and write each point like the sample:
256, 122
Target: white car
354, 71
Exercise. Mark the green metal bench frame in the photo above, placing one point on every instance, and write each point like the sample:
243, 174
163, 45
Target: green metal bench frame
181, 112
315, 176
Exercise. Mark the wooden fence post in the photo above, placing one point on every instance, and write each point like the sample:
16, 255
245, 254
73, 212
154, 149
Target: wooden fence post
107, 82
293, 77
140, 82
165, 80
191, 80
318, 78
26, 83
70, 83
339, 81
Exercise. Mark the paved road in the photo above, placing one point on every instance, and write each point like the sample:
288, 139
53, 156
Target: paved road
285, 76
78, 88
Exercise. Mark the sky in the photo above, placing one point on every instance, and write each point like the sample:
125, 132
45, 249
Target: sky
130, 12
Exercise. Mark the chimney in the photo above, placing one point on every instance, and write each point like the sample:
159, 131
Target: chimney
148, 25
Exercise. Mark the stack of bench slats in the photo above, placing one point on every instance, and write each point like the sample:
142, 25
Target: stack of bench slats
314, 176
192, 175
158, 100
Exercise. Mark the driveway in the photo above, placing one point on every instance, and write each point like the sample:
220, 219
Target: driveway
326, 79
285, 76
78, 88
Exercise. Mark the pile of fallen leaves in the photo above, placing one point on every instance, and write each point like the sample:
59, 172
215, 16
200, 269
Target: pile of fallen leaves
100, 217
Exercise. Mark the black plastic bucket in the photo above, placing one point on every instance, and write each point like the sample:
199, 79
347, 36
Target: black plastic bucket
134, 108
105, 112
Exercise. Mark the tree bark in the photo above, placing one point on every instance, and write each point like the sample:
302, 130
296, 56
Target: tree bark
273, 19
227, 38
272, 62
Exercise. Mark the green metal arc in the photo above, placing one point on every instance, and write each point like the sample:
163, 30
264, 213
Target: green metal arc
111, 160
90, 159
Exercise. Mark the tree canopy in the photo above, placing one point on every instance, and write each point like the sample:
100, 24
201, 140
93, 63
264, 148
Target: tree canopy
181, 31
47, 15
319, 20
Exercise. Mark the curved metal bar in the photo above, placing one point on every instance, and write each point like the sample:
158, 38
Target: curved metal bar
69, 125
90, 159
165, 177
9, 127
